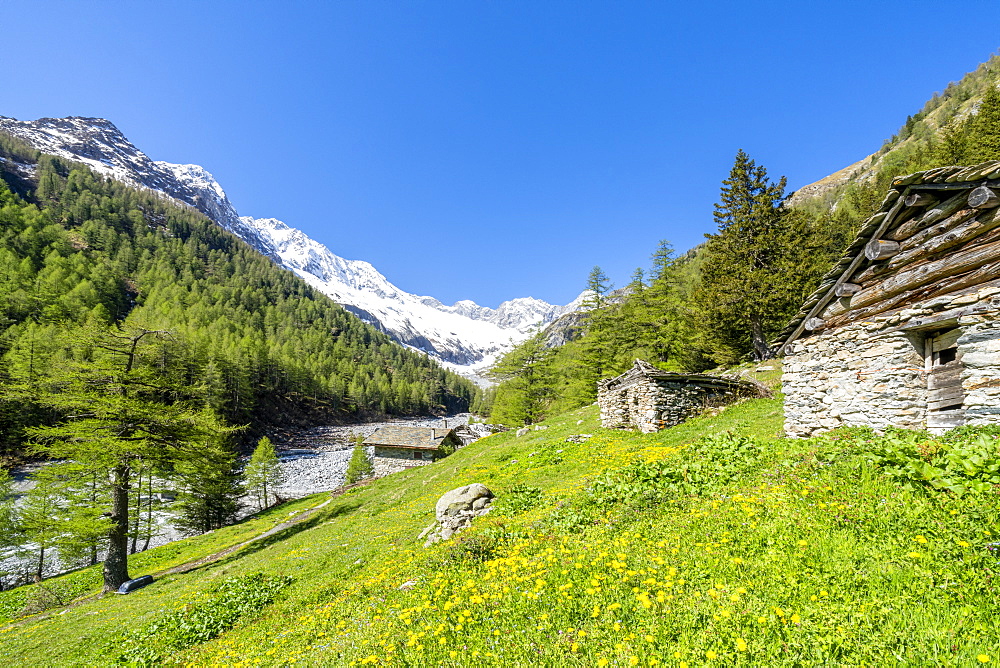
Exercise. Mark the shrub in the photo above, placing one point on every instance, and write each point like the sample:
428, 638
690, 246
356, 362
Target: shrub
517, 499
966, 460
707, 465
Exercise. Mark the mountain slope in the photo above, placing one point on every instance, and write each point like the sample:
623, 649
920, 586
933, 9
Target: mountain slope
465, 336
919, 144
82, 254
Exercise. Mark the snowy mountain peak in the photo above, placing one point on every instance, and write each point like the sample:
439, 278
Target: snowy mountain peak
466, 336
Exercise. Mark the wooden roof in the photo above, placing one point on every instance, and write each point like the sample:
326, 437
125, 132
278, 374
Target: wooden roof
425, 438
927, 215
642, 371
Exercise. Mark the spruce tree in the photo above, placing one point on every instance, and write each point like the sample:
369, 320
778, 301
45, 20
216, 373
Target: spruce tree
743, 297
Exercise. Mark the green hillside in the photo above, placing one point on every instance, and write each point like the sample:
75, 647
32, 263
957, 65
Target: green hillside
81, 255
958, 126
711, 542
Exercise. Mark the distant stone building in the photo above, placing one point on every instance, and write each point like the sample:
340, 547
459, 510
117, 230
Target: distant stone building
399, 448
650, 399
905, 330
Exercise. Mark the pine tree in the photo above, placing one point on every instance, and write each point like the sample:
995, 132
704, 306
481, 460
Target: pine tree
263, 472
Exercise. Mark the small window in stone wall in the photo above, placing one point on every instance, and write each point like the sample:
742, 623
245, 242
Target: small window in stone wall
417, 454
945, 396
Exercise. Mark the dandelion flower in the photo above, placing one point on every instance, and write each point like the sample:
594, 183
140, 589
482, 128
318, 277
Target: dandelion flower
741, 645
983, 658
711, 655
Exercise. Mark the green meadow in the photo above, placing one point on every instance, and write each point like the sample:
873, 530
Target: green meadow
716, 542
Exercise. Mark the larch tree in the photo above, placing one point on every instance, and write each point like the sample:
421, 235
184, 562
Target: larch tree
119, 415
263, 471
525, 383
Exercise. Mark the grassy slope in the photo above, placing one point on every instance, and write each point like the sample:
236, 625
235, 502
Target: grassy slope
809, 559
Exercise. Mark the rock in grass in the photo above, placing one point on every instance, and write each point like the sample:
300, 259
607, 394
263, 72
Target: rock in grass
455, 509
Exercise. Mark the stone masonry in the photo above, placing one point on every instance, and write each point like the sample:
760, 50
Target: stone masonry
648, 399
872, 373
392, 460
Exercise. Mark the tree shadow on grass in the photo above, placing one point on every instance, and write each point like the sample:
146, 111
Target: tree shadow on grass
268, 539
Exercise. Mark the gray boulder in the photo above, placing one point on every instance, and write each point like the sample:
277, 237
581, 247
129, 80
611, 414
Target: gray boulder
455, 510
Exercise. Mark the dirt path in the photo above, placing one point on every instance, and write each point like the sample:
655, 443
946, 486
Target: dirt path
300, 517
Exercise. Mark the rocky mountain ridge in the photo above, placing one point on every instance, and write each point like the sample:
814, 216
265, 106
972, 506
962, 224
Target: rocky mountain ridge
464, 336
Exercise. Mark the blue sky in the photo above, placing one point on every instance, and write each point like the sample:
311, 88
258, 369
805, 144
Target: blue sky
491, 150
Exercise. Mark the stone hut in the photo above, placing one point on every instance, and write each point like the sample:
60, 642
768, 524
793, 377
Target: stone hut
650, 399
905, 330
399, 448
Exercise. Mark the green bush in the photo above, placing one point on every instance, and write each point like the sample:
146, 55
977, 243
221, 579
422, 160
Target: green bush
707, 465
517, 499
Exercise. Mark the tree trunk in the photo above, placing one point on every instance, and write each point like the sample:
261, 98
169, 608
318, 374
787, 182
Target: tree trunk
138, 513
149, 512
116, 563
41, 564
761, 351
93, 500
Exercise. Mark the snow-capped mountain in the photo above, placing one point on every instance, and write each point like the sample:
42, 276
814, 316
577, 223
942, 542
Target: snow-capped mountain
465, 336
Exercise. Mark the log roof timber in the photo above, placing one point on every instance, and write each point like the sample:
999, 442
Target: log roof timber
900, 255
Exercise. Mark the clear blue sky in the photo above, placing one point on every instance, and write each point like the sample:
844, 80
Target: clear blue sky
489, 150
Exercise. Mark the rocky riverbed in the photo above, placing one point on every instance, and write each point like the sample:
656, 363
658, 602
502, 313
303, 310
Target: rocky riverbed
316, 460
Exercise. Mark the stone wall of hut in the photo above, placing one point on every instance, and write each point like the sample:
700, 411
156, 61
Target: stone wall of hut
872, 373
979, 346
855, 376
651, 405
393, 460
